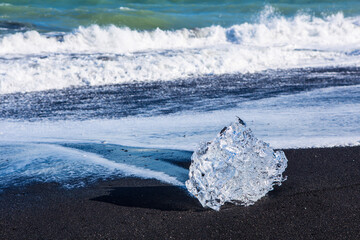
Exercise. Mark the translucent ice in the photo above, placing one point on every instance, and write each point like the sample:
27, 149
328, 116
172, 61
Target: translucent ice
235, 167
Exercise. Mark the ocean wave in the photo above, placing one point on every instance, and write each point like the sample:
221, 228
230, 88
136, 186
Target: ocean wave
5, 4
299, 32
96, 55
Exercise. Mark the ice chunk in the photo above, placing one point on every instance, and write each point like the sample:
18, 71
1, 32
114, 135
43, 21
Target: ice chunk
235, 167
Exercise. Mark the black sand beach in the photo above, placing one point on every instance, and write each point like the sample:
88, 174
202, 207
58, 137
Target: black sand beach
320, 200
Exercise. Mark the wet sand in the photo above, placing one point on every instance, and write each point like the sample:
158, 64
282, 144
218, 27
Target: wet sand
320, 200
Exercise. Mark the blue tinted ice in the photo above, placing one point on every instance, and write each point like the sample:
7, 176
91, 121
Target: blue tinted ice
235, 167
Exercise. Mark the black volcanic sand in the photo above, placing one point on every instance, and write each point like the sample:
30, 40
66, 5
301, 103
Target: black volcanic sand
320, 200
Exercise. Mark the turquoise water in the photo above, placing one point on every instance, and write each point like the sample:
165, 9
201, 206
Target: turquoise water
66, 15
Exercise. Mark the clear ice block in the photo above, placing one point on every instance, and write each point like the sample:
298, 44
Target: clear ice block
235, 167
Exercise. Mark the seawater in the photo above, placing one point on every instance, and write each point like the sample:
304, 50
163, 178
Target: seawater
98, 89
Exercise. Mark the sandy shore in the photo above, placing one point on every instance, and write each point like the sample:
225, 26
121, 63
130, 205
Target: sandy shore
320, 200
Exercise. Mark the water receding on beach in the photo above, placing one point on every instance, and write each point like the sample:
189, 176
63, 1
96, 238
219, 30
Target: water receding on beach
116, 90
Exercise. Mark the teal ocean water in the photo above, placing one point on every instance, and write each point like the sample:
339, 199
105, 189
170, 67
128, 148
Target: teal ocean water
67, 15
97, 89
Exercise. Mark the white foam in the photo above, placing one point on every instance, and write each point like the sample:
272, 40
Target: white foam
126, 9
110, 39
312, 119
129, 170
96, 55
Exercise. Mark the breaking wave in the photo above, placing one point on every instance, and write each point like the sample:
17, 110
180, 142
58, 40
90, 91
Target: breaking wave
95, 55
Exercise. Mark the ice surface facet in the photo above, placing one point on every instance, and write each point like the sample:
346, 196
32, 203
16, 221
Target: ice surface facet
235, 167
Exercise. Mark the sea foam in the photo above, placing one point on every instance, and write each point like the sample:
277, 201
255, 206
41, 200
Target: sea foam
318, 118
95, 55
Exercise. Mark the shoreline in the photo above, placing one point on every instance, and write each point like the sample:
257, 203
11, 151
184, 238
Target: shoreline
319, 200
